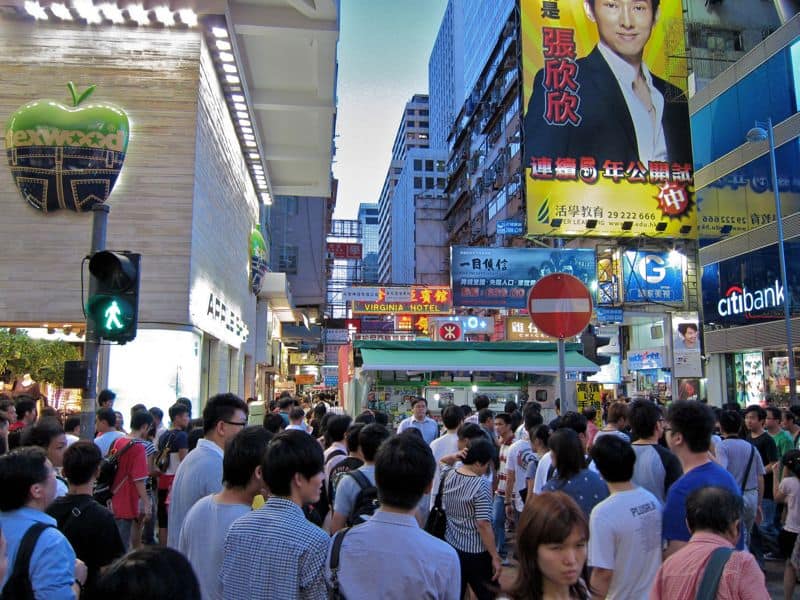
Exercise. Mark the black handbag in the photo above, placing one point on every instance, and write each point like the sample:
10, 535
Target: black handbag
436, 524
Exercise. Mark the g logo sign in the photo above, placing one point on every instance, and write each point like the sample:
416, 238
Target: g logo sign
653, 268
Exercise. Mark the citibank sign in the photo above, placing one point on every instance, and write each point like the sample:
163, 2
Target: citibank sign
741, 301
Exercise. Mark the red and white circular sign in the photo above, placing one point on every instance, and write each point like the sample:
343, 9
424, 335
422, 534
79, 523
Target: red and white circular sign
450, 332
560, 305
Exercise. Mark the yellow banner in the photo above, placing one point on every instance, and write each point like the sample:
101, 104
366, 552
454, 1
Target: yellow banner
607, 143
590, 396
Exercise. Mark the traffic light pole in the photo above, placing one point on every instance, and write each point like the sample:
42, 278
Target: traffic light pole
91, 346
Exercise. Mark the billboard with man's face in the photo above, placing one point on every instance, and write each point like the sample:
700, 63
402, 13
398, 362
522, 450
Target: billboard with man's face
607, 149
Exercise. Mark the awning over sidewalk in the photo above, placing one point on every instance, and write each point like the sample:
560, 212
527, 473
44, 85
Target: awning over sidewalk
470, 356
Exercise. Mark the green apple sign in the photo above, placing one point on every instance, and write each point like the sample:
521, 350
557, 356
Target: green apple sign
66, 156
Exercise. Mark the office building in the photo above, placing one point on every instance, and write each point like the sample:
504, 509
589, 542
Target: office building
370, 224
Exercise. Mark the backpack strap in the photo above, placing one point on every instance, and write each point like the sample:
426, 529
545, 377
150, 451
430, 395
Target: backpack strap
749, 464
336, 548
713, 573
19, 580
438, 502
360, 478
337, 452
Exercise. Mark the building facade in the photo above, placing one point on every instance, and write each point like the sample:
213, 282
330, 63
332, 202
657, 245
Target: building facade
446, 74
368, 217
412, 133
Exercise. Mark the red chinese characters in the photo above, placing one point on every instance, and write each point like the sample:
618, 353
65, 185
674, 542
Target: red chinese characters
560, 71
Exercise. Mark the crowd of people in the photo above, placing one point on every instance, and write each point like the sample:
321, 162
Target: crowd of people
314, 503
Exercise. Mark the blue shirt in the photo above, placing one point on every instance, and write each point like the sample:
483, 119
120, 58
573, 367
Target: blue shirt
274, 553
392, 558
586, 488
428, 428
709, 474
52, 567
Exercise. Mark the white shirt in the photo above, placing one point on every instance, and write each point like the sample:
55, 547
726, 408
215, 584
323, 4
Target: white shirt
441, 447
519, 457
541, 472
648, 126
71, 439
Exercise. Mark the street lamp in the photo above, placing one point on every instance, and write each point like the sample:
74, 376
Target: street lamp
759, 134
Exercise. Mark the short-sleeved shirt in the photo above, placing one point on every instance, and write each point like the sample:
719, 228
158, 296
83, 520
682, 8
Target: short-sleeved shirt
441, 447
466, 500
709, 474
620, 434
104, 440
624, 537
790, 486
178, 440
132, 468
520, 455
769, 454
348, 489
733, 454
783, 441
427, 427
655, 469
586, 488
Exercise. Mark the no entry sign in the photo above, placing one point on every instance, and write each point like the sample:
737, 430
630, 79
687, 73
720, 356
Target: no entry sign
560, 305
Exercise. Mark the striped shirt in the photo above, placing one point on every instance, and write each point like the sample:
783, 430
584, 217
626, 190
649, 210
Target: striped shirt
505, 447
466, 500
274, 553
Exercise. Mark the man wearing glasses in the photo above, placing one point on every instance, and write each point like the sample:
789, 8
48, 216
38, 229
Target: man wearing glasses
200, 473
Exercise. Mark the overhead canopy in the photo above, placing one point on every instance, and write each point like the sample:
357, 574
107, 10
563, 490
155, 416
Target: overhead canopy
445, 356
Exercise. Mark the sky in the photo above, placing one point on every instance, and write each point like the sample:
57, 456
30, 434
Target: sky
384, 46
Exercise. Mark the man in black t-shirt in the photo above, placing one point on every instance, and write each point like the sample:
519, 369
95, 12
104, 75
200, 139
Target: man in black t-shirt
88, 526
764, 535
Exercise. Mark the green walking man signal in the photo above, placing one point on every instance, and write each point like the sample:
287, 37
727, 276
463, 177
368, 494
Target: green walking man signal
113, 303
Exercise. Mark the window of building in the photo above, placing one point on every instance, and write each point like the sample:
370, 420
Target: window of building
287, 260
423, 112
441, 182
418, 164
429, 183
397, 170
423, 136
410, 112
429, 165
418, 182
440, 166
424, 124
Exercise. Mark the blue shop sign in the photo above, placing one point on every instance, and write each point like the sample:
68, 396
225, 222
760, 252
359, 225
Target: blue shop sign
644, 359
652, 276
509, 227
502, 277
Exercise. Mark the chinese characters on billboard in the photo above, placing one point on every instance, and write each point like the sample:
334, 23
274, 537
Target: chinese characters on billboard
431, 300
606, 126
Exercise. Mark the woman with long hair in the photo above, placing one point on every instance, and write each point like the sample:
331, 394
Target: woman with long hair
552, 540
571, 475
467, 502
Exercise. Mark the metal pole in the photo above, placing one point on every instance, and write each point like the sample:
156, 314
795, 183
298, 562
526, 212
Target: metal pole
562, 377
787, 293
92, 345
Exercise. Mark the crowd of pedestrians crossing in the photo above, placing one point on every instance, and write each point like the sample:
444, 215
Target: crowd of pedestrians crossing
679, 503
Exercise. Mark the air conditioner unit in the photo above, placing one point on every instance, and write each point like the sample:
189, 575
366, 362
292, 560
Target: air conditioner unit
510, 62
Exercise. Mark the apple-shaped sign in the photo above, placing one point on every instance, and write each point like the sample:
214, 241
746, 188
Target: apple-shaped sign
258, 259
66, 156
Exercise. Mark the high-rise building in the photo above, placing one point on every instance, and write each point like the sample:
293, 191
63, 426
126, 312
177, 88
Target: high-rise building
412, 133
446, 74
484, 22
370, 225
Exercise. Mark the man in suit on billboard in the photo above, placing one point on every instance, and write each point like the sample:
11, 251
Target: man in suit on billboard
624, 112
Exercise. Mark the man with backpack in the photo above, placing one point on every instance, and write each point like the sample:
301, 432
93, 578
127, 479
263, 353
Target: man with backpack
353, 461
356, 494
89, 527
173, 446
391, 556
42, 563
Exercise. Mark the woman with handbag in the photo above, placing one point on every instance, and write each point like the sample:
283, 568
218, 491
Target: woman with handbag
467, 502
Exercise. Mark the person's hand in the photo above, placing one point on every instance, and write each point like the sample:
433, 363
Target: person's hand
81, 571
146, 513
510, 512
759, 516
497, 567
776, 467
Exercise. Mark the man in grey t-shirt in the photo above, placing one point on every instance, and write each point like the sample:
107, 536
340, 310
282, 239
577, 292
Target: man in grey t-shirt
656, 468
735, 454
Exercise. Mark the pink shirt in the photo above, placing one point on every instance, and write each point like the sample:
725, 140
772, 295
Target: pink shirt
680, 575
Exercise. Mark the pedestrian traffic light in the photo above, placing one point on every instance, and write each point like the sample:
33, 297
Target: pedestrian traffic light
591, 342
114, 301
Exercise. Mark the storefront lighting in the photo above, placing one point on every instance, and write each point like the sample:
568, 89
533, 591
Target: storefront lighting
232, 79
219, 32
247, 130
36, 11
258, 168
242, 115
250, 144
137, 13
226, 57
248, 136
164, 15
244, 122
254, 156
112, 13
240, 106
237, 98
223, 45
188, 17
229, 68
61, 11
474, 389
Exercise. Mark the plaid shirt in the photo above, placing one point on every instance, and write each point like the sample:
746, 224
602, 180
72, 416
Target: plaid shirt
274, 553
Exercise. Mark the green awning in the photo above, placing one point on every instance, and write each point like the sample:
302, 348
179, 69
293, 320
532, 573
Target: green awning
519, 361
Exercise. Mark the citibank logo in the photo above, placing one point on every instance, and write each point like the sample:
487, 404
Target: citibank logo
740, 300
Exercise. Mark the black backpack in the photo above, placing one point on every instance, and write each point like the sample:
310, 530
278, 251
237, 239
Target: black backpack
342, 468
18, 586
366, 502
103, 491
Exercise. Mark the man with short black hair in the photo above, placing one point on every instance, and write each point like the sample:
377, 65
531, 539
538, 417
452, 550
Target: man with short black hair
89, 527
202, 538
105, 399
292, 550
447, 444
713, 515
505, 438
420, 420
72, 428
688, 432
200, 473
158, 423
26, 413
390, 556
297, 417
285, 404
624, 529
357, 482
520, 457
765, 534
656, 468
176, 442
790, 423
28, 484
351, 462
105, 423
